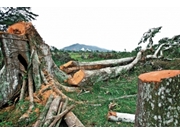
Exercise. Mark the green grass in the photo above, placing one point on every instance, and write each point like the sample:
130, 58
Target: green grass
93, 113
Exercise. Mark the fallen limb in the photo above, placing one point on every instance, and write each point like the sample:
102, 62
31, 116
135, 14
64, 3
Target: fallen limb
73, 66
52, 111
122, 97
72, 120
63, 108
59, 116
42, 116
89, 77
121, 117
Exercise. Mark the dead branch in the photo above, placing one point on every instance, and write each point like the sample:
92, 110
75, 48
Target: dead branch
59, 116
52, 111
72, 121
42, 116
63, 108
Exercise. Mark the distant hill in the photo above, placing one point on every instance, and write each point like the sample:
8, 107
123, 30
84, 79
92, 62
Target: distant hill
82, 47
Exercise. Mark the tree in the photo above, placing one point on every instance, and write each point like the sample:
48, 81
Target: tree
28, 65
10, 15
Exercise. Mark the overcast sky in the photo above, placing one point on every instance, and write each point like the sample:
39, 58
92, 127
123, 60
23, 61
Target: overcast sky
115, 26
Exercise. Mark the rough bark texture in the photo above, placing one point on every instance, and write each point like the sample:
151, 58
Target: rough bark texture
89, 77
16, 56
72, 121
24, 53
158, 103
73, 66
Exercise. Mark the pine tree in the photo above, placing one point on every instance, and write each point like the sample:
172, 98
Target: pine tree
11, 15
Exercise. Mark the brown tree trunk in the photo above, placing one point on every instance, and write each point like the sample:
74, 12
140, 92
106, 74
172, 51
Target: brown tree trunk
158, 103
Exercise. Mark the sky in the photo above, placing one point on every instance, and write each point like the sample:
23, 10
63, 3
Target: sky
114, 25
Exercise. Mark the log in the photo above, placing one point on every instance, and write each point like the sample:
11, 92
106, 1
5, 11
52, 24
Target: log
120, 117
158, 103
42, 116
59, 116
72, 120
73, 66
85, 78
52, 111
63, 108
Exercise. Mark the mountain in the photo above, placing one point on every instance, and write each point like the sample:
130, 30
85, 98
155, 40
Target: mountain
82, 47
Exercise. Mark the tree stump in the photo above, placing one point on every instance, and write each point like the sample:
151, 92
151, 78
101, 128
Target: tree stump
158, 103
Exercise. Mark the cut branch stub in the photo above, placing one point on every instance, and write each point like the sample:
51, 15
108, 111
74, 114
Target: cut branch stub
158, 101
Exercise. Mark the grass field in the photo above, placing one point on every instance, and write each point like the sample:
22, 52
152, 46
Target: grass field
93, 113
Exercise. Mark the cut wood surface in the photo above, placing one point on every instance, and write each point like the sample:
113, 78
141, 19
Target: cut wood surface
120, 117
19, 28
158, 101
157, 76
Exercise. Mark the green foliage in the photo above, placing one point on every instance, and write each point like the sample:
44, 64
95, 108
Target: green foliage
60, 57
11, 15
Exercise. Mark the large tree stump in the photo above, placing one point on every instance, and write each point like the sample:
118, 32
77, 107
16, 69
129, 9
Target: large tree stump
26, 57
158, 103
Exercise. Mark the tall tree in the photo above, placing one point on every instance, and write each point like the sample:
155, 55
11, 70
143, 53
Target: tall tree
11, 15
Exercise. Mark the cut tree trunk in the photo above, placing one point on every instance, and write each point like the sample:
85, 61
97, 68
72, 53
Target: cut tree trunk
85, 78
158, 103
73, 66
26, 56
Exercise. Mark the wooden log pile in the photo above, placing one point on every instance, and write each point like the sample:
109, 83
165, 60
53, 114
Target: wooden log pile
55, 110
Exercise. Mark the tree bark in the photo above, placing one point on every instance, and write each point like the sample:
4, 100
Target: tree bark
73, 66
23, 54
42, 116
83, 78
72, 120
120, 117
15, 52
158, 103
52, 111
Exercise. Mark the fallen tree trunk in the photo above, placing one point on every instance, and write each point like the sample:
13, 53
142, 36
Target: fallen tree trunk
121, 117
73, 66
158, 99
89, 77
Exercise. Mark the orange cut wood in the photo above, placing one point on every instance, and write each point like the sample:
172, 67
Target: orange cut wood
66, 65
157, 76
19, 28
77, 78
